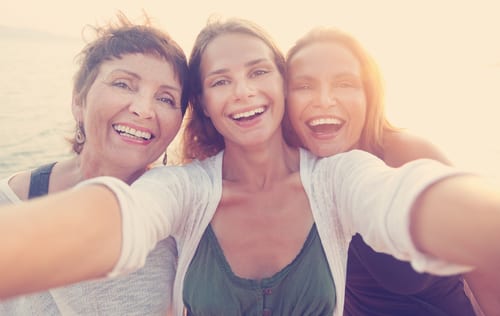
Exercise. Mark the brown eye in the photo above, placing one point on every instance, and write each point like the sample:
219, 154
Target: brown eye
301, 86
167, 100
345, 84
221, 82
259, 72
120, 84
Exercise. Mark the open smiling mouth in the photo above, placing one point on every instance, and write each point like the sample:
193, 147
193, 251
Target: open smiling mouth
325, 125
132, 132
248, 115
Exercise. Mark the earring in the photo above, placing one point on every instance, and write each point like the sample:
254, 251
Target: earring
80, 134
165, 159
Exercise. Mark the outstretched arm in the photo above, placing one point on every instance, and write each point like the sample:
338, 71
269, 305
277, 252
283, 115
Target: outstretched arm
102, 227
458, 219
71, 236
400, 148
464, 227
423, 212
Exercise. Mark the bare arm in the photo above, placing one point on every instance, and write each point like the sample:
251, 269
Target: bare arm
485, 292
402, 147
465, 229
60, 239
458, 219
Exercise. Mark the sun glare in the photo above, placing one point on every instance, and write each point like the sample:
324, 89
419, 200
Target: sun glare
440, 60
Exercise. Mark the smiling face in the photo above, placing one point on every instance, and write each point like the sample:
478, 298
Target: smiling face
243, 91
131, 112
326, 102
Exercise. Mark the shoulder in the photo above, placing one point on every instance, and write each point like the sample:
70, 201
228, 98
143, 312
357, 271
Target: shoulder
175, 173
401, 147
323, 173
188, 182
345, 160
20, 183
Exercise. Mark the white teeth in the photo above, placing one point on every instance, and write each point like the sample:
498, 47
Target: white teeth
248, 113
323, 121
129, 131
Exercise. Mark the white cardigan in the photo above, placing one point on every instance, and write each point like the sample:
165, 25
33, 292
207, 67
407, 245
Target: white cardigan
348, 193
138, 293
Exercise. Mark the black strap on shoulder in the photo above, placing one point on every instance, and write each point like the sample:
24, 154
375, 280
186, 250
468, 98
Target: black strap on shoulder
39, 182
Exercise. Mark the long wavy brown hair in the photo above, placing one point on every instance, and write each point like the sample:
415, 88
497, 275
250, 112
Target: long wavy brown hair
201, 138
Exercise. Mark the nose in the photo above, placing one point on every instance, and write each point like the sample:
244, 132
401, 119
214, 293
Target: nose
243, 89
326, 97
142, 106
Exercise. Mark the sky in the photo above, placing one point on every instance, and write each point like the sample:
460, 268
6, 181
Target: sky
440, 59
400, 34
386, 22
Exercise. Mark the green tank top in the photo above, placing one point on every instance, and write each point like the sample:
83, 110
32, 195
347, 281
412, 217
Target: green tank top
303, 287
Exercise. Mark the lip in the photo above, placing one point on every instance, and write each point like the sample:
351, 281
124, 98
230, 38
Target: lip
248, 112
251, 116
327, 119
325, 135
325, 127
134, 134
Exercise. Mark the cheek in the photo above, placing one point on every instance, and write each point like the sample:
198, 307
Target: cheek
171, 123
294, 107
92, 116
295, 123
358, 115
101, 106
209, 103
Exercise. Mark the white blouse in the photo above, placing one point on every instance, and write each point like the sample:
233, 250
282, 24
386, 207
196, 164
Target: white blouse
348, 193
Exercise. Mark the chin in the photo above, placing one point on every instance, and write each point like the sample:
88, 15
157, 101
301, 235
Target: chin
319, 152
326, 152
133, 162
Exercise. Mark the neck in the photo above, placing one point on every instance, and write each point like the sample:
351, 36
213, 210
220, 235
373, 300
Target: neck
85, 166
259, 166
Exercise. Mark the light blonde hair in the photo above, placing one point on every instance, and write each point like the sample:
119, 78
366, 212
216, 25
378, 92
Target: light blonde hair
376, 123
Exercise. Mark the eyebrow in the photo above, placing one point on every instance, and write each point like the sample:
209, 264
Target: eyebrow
337, 76
348, 74
301, 77
247, 64
135, 75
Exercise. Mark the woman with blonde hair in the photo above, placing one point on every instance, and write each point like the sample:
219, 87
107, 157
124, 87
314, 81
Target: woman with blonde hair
335, 104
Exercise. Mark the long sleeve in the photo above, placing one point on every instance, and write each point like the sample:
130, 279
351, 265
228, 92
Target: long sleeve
375, 200
149, 209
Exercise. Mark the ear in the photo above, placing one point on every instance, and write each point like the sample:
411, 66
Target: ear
77, 108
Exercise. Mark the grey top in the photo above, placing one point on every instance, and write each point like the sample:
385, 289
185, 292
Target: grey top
144, 292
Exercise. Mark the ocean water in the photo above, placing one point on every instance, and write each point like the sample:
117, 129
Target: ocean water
35, 100
35, 108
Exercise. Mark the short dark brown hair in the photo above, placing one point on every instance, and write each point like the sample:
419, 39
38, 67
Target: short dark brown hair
117, 39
